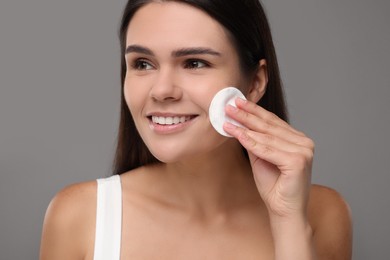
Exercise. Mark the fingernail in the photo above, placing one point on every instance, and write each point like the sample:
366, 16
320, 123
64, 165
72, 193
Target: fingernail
232, 108
229, 126
241, 100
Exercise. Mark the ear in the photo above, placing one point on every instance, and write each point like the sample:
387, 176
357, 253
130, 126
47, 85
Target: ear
258, 85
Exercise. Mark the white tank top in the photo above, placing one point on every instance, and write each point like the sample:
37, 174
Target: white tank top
108, 219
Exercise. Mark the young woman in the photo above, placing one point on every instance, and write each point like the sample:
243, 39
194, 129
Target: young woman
180, 190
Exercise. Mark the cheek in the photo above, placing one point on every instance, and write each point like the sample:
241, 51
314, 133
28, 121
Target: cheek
205, 93
133, 95
201, 97
202, 89
129, 102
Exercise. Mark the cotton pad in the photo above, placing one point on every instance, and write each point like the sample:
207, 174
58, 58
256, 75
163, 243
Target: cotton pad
218, 117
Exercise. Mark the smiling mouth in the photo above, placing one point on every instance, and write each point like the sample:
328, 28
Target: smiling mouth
170, 120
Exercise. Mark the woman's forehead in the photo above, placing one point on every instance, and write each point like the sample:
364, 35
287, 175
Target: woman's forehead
173, 23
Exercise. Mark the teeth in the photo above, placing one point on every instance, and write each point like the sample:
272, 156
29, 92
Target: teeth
161, 120
169, 120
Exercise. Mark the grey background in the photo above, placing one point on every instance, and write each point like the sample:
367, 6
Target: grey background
59, 105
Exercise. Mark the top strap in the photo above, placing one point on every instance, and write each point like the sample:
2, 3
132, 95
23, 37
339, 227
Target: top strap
108, 219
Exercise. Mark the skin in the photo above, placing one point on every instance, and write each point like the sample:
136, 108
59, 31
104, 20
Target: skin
206, 197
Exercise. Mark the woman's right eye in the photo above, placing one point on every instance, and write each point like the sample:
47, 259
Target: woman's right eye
141, 65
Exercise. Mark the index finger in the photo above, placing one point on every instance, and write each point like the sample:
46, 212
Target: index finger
268, 117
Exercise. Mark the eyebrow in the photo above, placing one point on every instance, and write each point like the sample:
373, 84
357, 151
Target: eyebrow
177, 53
194, 51
138, 49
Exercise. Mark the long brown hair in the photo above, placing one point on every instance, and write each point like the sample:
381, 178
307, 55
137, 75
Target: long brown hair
248, 26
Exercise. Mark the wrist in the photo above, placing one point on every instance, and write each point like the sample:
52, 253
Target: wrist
298, 218
293, 237
292, 225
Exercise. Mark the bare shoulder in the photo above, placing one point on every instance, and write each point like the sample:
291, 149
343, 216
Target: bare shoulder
330, 218
68, 229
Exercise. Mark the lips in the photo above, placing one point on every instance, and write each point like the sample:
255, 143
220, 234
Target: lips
169, 123
169, 118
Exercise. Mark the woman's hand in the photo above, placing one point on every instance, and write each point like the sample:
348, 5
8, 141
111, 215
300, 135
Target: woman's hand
281, 158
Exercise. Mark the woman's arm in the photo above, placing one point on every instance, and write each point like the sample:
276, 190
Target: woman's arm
68, 223
281, 159
327, 234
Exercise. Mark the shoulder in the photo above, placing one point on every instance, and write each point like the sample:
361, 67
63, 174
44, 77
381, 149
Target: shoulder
330, 218
68, 229
326, 203
72, 200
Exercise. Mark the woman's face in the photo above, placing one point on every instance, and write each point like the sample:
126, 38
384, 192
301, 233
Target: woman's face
177, 59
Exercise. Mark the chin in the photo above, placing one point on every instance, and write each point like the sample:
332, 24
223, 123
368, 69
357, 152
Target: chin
180, 153
168, 156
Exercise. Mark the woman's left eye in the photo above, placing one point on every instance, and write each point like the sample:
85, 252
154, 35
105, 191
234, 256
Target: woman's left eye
195, 64
140, 64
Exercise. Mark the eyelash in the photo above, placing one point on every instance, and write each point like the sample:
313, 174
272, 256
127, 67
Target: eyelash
192, 64
189, 64
140, 62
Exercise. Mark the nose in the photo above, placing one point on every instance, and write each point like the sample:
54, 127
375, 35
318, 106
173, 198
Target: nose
165, 87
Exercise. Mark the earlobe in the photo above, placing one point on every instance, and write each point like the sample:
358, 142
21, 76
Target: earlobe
259, 82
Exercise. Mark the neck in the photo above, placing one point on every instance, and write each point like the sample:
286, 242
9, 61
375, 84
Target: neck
215, 183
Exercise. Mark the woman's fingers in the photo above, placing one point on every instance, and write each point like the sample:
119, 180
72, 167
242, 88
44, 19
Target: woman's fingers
271, 151
292, 166
281, 157
260, 120
262, 113
279, 143
269, 138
